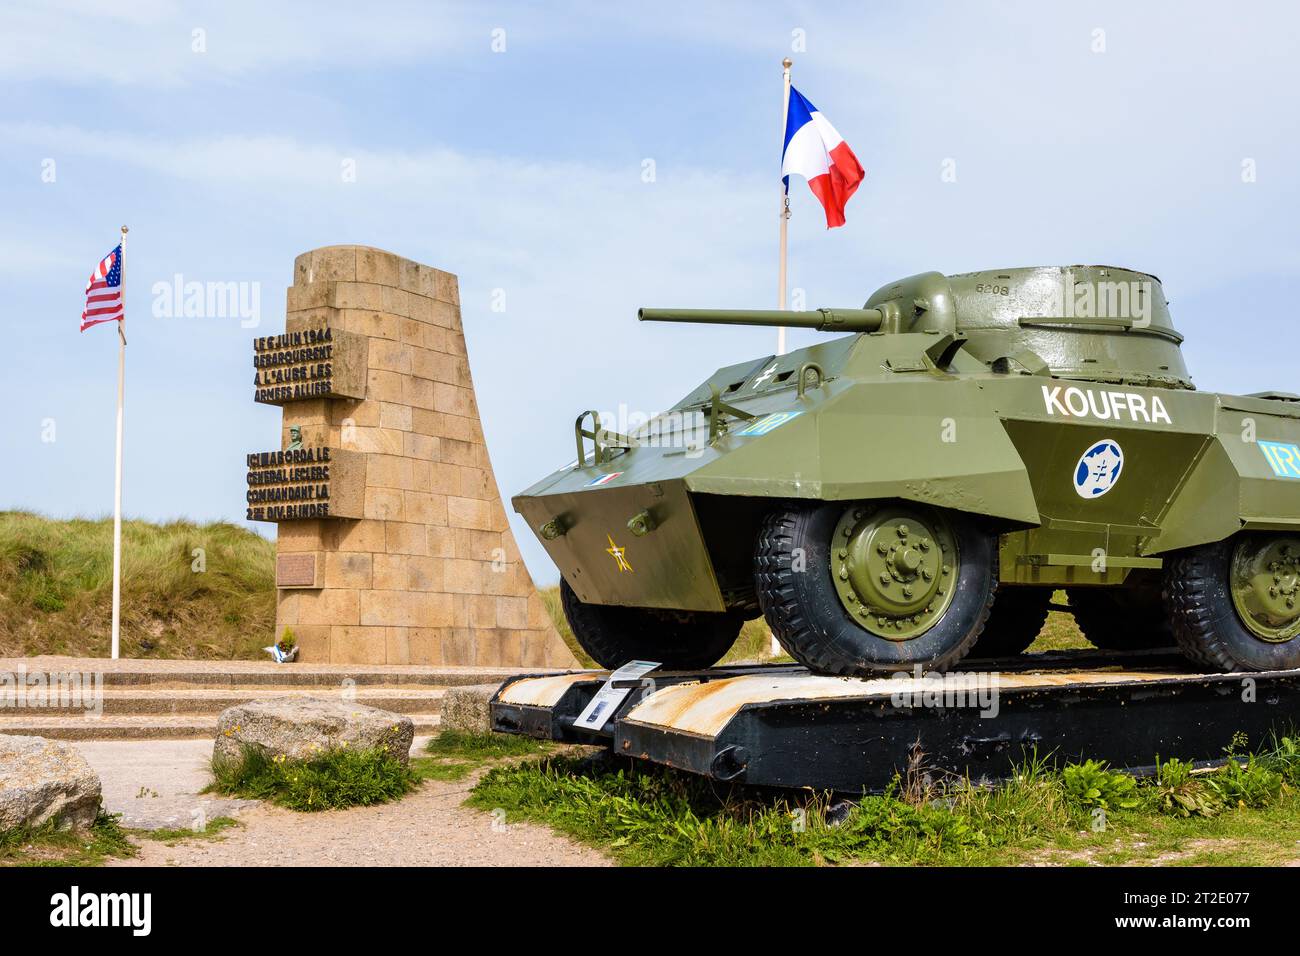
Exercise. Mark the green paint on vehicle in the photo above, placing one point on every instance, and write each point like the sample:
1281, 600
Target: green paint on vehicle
1048, 407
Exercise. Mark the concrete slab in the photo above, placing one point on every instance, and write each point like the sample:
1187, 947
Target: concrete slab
156, 783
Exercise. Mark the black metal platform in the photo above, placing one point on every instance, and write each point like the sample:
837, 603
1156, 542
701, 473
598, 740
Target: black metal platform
780, 725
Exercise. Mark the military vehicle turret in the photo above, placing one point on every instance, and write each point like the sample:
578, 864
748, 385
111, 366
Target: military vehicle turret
915, 490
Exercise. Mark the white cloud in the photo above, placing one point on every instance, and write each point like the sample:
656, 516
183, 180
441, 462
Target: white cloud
1130, 157
19, 256
576, 247
152, 42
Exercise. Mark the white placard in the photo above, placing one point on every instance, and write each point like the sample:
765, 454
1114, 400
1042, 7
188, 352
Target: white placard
615, 689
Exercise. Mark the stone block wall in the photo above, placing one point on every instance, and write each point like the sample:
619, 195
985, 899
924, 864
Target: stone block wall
431, 574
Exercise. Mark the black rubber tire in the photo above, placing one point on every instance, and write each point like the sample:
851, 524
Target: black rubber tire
1018, 615
1122, 617
1205, 621
806, 615
679, 640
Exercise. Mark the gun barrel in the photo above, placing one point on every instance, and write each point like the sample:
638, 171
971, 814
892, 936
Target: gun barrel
824, 320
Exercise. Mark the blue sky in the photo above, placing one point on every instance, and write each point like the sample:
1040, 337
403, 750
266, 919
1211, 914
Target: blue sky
522, 170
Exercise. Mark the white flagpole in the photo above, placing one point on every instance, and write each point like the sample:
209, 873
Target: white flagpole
785, 205
117, 483
774, 646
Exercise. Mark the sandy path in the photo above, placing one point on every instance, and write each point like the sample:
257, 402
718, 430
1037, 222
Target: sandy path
156, 783
428, 828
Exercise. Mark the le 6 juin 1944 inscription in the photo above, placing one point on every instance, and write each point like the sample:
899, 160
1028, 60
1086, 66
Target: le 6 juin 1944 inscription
293, 366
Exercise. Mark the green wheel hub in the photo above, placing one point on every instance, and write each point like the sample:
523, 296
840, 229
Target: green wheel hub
1265, 583
895, 568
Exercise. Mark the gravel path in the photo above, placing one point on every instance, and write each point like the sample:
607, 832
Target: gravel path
156, 783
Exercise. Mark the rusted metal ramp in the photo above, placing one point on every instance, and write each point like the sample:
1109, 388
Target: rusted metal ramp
782, 726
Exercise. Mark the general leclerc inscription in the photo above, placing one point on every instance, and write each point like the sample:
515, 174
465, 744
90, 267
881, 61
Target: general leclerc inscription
305, 483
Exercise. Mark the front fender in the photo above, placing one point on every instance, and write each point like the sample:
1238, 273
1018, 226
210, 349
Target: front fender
936, 442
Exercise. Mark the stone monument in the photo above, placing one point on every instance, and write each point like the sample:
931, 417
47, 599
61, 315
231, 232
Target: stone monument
393, 544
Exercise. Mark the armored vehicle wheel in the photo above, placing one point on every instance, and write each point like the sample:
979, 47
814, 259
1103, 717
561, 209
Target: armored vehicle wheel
678, 639
1122, 618
1019, 613
1235, 605
874, 586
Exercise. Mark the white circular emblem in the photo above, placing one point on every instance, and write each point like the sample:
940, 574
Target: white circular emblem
1098, 469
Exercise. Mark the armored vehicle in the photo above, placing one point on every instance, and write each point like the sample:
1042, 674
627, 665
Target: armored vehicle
915, 490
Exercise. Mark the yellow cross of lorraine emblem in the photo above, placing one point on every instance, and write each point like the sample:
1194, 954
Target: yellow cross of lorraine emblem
618, 554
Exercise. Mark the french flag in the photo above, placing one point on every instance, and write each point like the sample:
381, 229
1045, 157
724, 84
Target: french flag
815, 151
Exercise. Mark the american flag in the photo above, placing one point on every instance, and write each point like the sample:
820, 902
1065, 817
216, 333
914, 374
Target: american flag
104, 292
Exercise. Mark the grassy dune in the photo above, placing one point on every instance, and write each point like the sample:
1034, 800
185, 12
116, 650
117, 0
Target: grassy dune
56, 586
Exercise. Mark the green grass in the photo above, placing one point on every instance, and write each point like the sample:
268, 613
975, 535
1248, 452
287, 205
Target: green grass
56, 588
551, 600
1080, 814
1060, 633
47, 845
337, 779
428, 768
173, 835
753, 644
334, 780
460, 743
455, 754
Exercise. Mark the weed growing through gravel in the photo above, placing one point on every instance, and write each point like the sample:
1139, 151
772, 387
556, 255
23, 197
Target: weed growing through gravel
173, 835
426, 768
648, 815
48, 845
333, 780
455, 754
462, 744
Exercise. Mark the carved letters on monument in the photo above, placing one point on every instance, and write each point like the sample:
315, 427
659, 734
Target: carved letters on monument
305, 483
307, 364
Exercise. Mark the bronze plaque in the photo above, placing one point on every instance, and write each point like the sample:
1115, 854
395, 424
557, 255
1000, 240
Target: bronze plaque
295, 570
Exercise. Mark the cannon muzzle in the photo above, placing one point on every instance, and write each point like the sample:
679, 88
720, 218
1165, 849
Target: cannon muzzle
824, 320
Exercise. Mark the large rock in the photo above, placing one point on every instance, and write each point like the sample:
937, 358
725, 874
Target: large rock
466, 708
302, 727
43, 780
